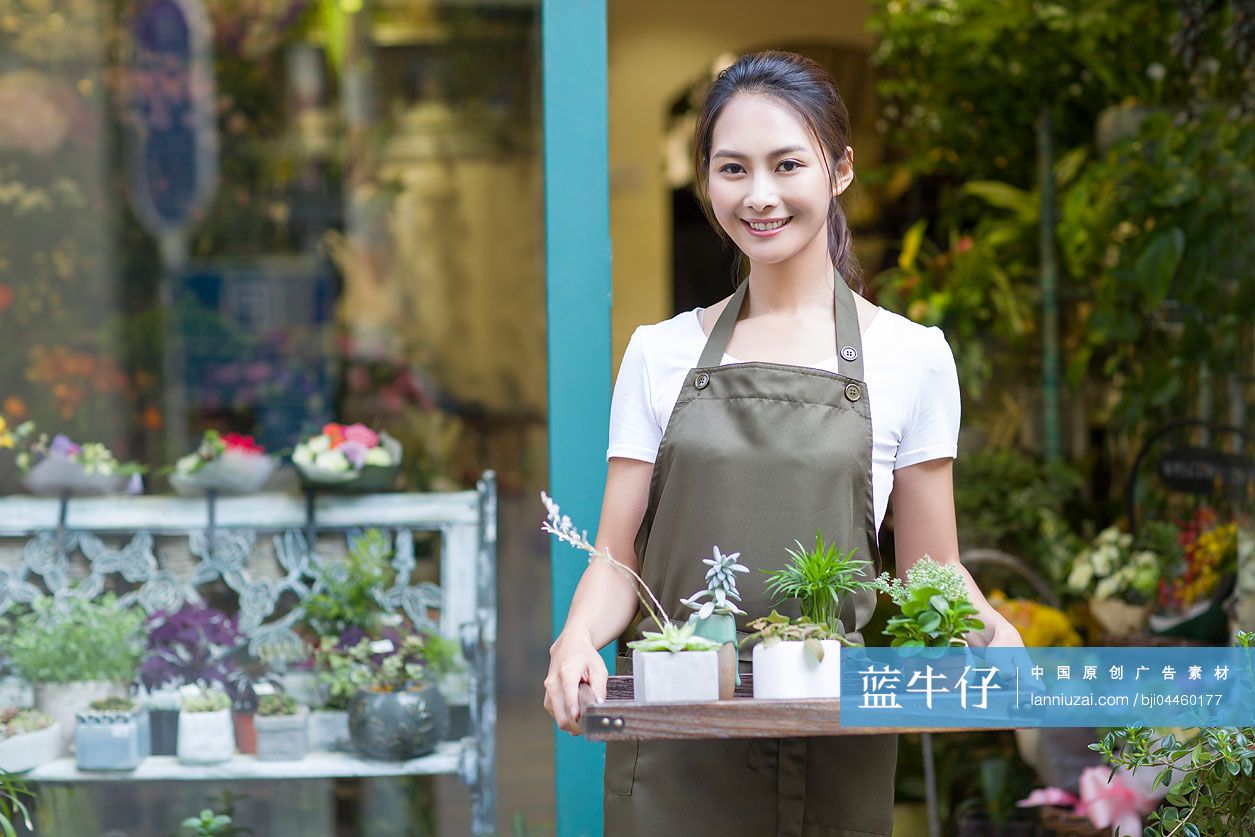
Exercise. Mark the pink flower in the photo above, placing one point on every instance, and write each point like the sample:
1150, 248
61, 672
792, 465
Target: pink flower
361, 434
355, 452
1048, 796
1119, 803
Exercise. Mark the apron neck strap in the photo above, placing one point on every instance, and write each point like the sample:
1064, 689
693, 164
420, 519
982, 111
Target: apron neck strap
849, 341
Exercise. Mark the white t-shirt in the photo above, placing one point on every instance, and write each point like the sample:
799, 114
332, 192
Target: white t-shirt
908, 371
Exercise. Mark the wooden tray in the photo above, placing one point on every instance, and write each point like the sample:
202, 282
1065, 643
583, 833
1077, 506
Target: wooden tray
620, 718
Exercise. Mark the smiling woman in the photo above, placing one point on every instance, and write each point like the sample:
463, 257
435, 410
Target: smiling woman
735, 435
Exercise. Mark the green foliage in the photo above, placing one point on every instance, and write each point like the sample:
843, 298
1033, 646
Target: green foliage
674, 637
964, 81
392, 667
271, 705
63, 641
347, 599
13, 793
18, 721
818, 578
1159, 229
112, 704
779, 628
208, 700
930, 619
1004, 497
923, 573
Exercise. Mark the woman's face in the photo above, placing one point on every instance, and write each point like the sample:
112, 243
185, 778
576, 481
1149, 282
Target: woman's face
768, 184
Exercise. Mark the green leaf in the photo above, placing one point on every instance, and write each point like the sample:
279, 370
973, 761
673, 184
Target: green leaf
910, 245
1158, 263
939, 603
1190, 830
816, 649
1005, 196
929, 621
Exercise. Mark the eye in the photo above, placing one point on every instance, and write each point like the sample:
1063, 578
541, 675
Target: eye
724, 169
794, 163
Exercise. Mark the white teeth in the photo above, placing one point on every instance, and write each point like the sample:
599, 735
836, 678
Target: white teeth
774, 225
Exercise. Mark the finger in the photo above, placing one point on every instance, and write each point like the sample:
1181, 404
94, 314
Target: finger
598, 678
556, 705
571, 697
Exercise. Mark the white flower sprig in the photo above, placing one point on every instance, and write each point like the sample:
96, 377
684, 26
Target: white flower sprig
720, 586
560, 526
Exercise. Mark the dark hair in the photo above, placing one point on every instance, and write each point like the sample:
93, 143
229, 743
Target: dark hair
810, 91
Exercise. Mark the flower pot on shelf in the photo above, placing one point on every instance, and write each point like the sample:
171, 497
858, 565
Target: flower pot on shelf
165, 731
205, 737
675, 676
63, 701
29, 750
57, 476
245, 732
109, 740
1119, 617
396, 726
282, 737
328, 730
787, 670
371, 479
232, 474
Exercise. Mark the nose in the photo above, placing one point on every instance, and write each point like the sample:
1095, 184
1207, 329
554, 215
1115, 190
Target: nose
762, 193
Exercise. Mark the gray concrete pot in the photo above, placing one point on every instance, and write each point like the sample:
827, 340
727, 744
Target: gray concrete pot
282, 737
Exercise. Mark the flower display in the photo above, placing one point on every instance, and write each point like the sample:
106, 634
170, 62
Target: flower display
1111, 569
340, 453
1040, 625
59, 465
226, 462
1211, 552
1107, 798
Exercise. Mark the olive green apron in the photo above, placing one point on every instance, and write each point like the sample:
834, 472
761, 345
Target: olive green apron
755, 456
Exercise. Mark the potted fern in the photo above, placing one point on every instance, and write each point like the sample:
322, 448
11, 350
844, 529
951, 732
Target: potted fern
282, 728
671, 664
801, 658
109, 735
206, 734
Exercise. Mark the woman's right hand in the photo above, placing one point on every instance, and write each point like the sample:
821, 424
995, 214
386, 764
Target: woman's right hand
573, 659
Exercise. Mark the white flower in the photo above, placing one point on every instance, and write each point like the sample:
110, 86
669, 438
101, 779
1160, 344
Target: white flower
186, 464
331, 460
1107, 588
1080, 577
1156, 71
302, 456
318, 444
379, 456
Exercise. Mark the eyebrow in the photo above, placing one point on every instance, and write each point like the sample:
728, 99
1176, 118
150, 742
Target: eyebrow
736, 155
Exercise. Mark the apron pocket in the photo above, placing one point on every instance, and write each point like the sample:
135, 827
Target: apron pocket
621, 766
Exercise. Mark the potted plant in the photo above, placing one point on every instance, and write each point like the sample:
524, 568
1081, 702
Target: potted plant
1201, 564
28, 738
225, 463
108, 735
163, 717
670, 664
935, 609
801, 658
348, 458
714, 614
58, 466
1118, 581
243, 685
396, 711
206, 735
75, 651
282, 728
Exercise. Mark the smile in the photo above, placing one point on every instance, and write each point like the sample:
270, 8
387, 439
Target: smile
766, 228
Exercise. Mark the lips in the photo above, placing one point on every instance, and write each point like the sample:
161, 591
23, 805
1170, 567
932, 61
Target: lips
776, 225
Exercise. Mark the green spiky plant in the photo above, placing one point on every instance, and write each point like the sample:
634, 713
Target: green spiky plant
819, 579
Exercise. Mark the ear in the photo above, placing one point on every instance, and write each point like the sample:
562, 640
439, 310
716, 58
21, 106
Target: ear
843, 172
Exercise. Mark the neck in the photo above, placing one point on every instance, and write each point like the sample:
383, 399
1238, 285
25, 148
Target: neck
801, 283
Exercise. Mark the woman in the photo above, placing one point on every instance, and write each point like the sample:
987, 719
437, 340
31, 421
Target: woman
744, 425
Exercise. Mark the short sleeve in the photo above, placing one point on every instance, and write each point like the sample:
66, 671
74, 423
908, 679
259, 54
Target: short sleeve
634, 429
933, 430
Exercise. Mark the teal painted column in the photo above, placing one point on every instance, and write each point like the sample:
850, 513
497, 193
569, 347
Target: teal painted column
577, 242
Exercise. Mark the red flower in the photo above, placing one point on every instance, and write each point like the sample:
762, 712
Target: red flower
334, 432
242, 444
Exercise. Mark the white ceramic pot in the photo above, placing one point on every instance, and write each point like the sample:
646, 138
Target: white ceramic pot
328, 730
31, 749
206, 737
63, 701
784, 670
675, 676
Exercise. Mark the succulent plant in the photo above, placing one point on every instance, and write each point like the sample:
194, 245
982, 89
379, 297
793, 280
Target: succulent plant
271, 705
779, 628
720, 587
207, 700
674, 637
112, 704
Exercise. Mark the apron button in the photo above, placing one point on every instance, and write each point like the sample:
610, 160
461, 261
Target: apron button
701, 381
853, 392
849, 353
